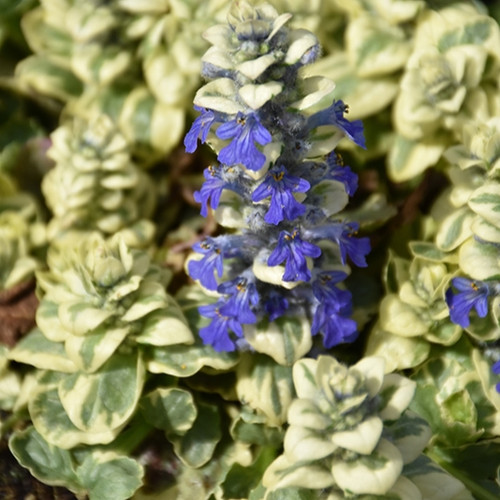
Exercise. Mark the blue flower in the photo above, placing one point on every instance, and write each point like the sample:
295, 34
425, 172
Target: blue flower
216, 333
203, 269
341, 173
334, 115
245, 130
292, 249
200, 127
334, 305
243, 295
343, 233
496, 370
355, 248
333, 322
326, 292
211, 189
471, 294
275, 305
280, 187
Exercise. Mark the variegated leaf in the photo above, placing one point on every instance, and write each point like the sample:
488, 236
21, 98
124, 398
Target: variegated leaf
170, 409
36, 350
90, 352
47, 462
286, 339
265, 386
110, 476
103, 401
51, 420
196, 446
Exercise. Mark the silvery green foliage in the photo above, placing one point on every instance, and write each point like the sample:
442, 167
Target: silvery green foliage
105, 328
21, 233
94, 184
440, 314
137, 61
349, 435
415, 72
101, 302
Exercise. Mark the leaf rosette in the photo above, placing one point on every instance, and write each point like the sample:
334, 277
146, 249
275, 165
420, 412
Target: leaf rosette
348, 432
94, 184
414, 315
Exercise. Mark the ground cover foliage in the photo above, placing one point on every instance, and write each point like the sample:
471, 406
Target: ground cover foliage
250, 250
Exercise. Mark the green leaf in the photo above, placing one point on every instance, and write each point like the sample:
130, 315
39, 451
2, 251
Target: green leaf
410, 434
286, 339
46, 462
472, 33
454, 230
256, 433
103, 401
241, 479
429, 251
399, 352
186, 360
196, 447
171, 409
51, 420
449, 396
375, 46
108, 476
330, 195
47, 319
265, 386
35, 349
409, 158
433, 481
80, 318
91, 351
373, 474
165, 328
479, 260
485, 202
48, 78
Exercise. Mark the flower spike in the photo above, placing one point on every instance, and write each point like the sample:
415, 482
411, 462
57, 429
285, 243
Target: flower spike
274, 197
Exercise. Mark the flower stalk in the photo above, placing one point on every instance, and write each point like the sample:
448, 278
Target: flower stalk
277, 180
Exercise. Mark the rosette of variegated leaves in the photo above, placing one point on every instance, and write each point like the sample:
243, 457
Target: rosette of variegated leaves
105, 327
462, 234
415, 73
135, 60
94, 183
350, 436
450, 79
101, 302
440, 314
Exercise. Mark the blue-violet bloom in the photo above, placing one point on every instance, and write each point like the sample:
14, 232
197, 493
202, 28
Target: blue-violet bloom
211, 189
341, 173
199, 129
334, 115
216, 333
333, 322
280, 187
243, 295
212, 261
292, 249
245, 131
472, 294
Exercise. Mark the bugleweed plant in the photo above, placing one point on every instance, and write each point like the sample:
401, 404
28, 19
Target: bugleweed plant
261, 312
